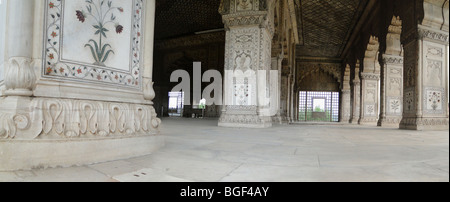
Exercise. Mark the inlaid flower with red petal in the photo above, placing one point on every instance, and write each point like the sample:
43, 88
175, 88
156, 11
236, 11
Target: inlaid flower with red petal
80, 15
119, 29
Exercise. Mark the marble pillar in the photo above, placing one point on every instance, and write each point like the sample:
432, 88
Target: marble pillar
277, 89
249, 31
74, 111
345, 97
370, 77
149, 92
369, 99
284, 95
391, 106
425, 71
19, 73
356, 92
3, 9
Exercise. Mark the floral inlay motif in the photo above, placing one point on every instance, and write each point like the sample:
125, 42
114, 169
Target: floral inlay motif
100, 15
104, 15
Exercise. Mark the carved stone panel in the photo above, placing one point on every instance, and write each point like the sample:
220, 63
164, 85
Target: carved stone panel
409, 101
94, 42
434, 100
370, 110
394, 106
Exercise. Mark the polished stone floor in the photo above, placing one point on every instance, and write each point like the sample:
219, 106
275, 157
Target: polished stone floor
198, 150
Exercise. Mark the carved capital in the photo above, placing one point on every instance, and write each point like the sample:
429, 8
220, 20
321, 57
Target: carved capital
19, 77
356, 82
245, 18
149, 92
368, 76
436, 35
392, 60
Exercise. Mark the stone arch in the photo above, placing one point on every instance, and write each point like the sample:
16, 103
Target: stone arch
319, 80
332, 70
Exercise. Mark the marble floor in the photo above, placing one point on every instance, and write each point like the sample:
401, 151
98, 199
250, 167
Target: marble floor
197, 150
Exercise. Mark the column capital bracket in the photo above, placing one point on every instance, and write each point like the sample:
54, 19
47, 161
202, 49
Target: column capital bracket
433, 34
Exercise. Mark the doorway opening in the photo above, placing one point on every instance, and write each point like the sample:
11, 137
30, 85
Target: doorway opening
176, 104
316, 106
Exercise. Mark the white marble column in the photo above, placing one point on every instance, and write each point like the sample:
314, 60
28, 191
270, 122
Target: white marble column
248, 45
391, 105
425, 71
149, 92
370, 77
345, 97
2, 42
19, 74
277, 66
369, 99
356, 91
391, 92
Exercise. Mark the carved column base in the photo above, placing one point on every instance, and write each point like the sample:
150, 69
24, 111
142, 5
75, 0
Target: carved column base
63, 132
431, 124
244, 117
389, 122
354, 120
345, 120
280, 119
368, 121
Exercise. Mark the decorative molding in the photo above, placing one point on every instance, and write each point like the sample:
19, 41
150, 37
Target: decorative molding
412, 121
20, 77
390, 120
392, 60
69, 119
8, 127
241, 109
245, 18
368, 120
189, 41
437, 35
369, 76
55, 67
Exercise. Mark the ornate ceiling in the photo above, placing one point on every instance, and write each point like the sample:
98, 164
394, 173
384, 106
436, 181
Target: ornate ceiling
183, 17
325, 26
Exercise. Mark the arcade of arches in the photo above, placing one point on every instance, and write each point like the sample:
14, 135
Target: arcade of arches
389, 70
81, 70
